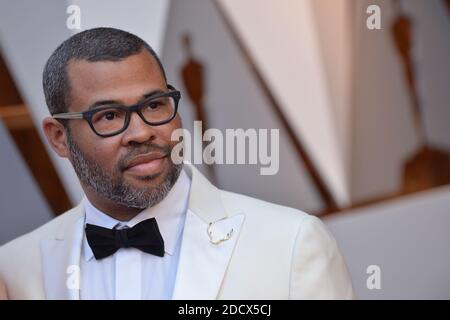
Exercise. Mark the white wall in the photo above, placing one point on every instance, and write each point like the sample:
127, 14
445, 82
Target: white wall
283, 39
383, 132
146, 19
29, 32
22, 205
234, 100
407, 238
432, 20
335, 25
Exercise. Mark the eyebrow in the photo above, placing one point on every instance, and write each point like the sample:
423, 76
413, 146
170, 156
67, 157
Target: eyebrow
114, 102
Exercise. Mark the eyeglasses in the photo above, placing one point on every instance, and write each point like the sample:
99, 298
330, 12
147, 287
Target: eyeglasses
107, 121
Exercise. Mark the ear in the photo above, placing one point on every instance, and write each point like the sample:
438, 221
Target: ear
56, 136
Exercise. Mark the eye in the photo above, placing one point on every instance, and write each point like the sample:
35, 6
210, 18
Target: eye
110, 115
153, 105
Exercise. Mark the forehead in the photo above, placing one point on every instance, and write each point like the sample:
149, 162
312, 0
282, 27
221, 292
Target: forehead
125, 81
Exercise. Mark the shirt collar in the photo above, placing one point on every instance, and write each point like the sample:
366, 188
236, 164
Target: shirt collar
169, 214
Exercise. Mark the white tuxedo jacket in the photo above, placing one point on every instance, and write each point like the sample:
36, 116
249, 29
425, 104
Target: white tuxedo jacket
274, 252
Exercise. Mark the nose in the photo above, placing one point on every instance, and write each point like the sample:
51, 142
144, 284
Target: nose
138, 131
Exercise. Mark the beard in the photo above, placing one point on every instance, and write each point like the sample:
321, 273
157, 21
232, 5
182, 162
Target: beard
113, 186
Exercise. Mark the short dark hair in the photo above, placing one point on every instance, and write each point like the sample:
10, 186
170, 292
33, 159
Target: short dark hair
98, 44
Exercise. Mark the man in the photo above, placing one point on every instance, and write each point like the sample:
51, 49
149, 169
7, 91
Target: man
148, 228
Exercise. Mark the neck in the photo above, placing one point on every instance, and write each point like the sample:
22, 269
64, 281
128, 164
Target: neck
112, 209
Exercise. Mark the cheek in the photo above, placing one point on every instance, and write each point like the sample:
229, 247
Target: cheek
105, 154
171, 127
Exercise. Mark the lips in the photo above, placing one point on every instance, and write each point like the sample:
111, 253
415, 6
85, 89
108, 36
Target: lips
145, 164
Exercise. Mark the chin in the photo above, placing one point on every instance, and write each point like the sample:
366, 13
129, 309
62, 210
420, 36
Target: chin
145, 180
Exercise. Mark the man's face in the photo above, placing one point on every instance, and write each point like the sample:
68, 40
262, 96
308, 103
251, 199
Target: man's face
132, 168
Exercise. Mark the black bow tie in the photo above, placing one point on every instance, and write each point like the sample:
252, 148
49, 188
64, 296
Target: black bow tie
144, 236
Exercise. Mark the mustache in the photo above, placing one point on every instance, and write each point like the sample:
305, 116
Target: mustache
141, 150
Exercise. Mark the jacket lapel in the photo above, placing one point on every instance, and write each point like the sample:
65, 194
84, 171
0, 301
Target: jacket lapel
202, 264
61, 258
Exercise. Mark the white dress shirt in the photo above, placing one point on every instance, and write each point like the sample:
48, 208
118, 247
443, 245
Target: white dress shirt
130, 273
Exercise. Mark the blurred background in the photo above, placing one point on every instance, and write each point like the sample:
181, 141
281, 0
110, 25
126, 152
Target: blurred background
360, 95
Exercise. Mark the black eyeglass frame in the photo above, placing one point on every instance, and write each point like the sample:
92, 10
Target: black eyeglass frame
88, 114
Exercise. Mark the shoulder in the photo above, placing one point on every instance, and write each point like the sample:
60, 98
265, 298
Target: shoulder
275, 223
305, 230
263, 211
20, 258
48, 230
317, 269
293, 244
